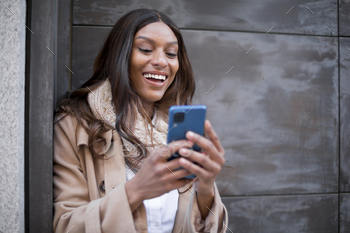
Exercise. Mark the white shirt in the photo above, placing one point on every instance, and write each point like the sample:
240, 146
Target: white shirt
161, 211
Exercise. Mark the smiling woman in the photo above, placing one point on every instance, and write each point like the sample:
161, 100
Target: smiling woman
111, 172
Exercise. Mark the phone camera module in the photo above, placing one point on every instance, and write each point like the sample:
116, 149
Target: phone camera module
179, 117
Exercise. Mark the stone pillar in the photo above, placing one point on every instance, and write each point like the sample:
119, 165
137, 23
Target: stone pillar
12, 79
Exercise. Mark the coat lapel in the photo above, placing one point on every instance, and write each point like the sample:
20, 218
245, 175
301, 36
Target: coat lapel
115, 174
114, 164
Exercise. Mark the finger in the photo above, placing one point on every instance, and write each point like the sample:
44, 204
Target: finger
165, 151
173, 164
174, 167
170, 170
177, 173
206, 145
213, 136
203, 160
195, 169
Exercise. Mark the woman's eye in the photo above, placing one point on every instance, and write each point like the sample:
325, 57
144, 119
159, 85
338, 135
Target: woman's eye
171, 54
145, 50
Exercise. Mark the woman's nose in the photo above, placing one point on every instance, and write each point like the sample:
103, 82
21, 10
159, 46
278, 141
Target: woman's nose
159, 59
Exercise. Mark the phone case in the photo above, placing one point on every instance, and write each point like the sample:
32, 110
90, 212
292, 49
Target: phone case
193, 120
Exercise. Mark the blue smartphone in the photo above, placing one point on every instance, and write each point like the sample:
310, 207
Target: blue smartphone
182, 119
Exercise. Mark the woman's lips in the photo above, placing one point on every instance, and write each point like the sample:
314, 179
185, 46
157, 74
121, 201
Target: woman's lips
155, 79
155, 82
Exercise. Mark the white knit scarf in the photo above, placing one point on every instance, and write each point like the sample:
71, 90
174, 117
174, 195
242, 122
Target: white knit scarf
100, 102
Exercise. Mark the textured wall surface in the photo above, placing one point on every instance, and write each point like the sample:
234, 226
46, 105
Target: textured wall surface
275, 77
287, 214
12, 66
344, 48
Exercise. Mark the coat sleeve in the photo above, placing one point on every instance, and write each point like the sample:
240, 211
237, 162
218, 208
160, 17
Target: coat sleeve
215, 222
73, 209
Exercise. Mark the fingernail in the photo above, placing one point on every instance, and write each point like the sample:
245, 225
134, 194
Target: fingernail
183, 161
183, 151
190, 134
208, 123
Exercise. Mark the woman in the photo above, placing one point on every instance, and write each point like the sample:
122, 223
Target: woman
111, 172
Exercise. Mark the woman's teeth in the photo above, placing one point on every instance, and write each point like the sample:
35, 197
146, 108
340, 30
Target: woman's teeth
155, 76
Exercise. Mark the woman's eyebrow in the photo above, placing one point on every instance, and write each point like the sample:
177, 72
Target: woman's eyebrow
153, 41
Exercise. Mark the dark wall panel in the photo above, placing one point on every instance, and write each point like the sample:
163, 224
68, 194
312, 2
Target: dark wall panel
301, 17
298, 16
107, 12
275, 111
276, 214
344, 212
87, 42
64, 70
344, 17
39, 101
344, 48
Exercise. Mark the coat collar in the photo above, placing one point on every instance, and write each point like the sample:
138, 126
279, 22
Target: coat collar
104, 144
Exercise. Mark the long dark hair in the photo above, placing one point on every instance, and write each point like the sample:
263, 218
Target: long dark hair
113, 62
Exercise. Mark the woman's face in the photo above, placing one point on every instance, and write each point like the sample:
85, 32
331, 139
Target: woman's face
154, 61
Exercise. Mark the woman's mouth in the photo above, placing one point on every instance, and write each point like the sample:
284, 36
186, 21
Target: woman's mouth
156, 80
155, 77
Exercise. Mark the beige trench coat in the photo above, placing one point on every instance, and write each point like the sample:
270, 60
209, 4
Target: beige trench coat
81, 204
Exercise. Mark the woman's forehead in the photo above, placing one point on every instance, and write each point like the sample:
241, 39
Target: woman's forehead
157, 31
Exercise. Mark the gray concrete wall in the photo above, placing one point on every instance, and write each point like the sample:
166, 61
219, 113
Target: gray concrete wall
12, 79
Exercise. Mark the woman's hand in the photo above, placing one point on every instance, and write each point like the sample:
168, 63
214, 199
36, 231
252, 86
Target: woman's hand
210, 162
157, 175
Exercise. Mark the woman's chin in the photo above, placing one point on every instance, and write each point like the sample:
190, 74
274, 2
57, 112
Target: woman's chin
153, 98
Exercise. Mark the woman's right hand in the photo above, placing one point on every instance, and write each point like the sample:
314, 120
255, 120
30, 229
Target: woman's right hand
157, 175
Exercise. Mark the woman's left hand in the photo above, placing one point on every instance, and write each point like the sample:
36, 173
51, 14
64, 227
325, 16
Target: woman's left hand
210, 160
